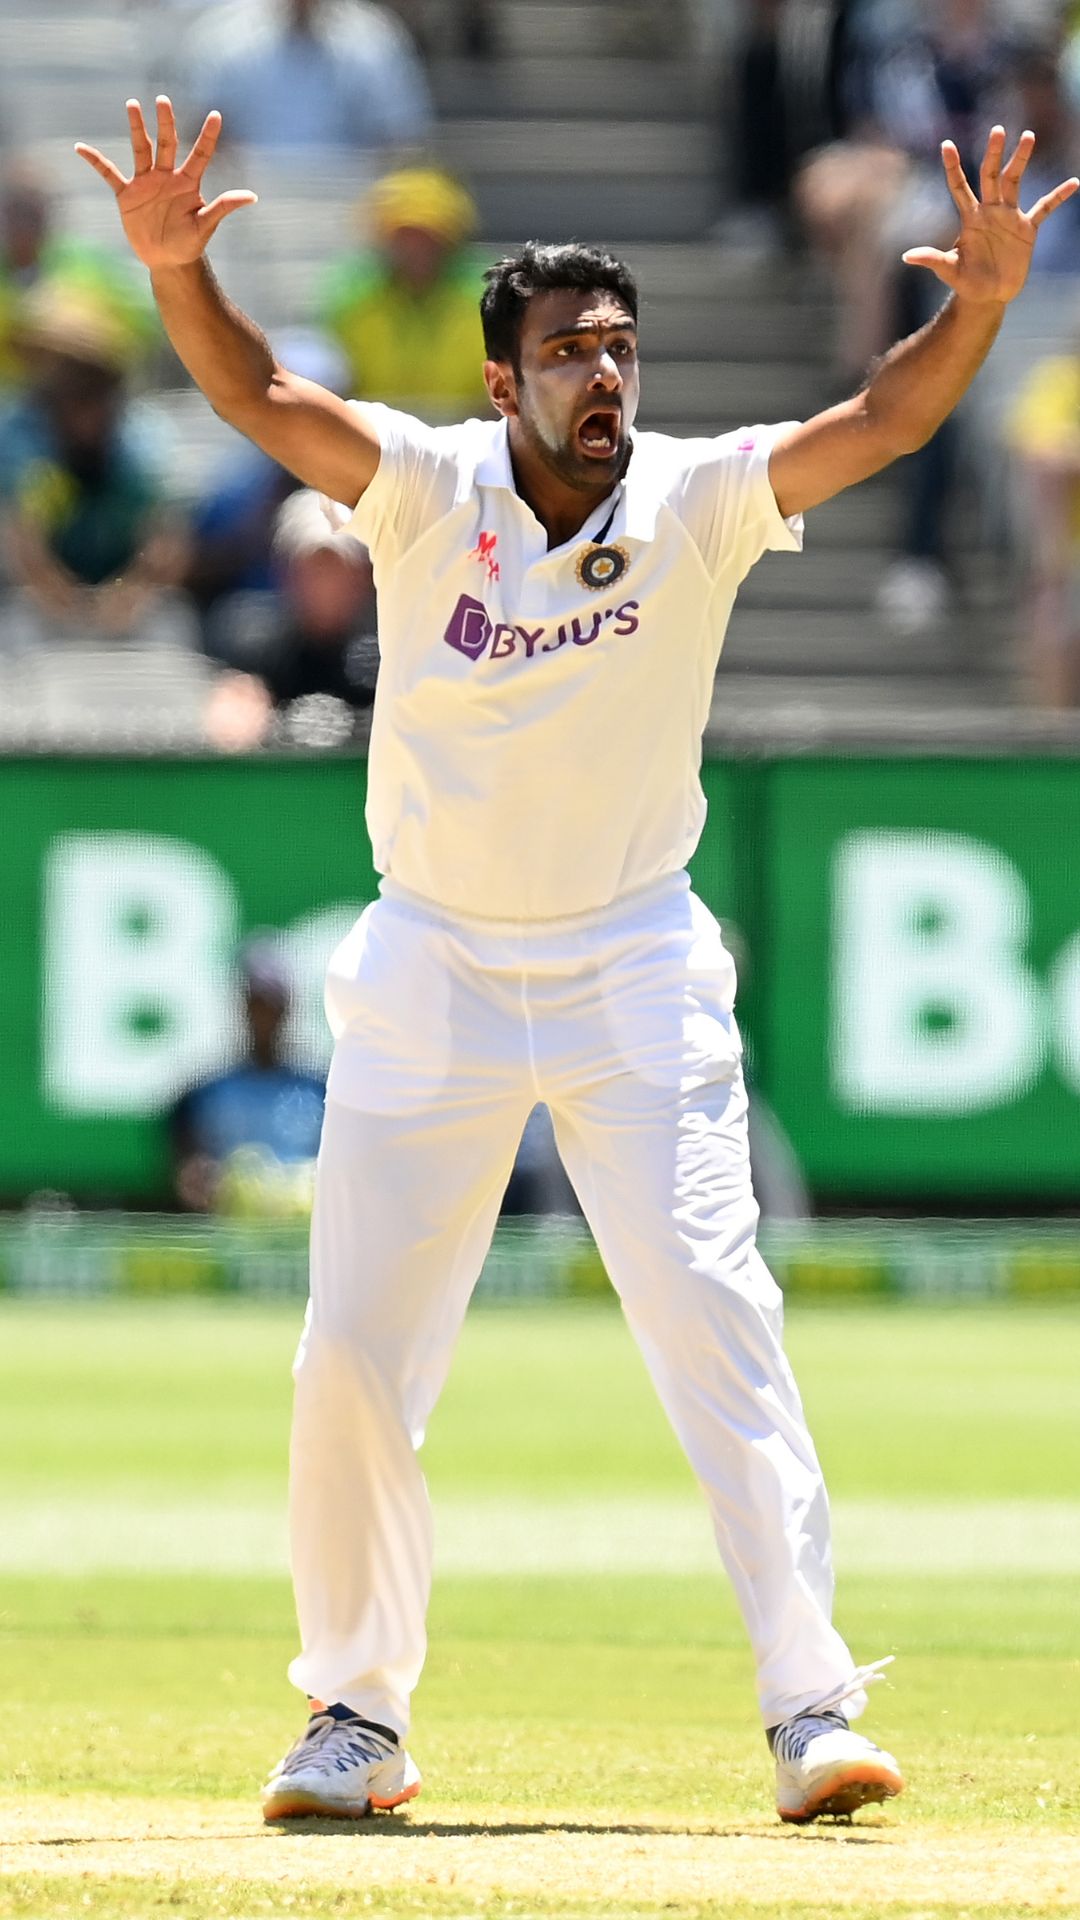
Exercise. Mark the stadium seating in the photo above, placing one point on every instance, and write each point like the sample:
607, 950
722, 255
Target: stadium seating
725, 340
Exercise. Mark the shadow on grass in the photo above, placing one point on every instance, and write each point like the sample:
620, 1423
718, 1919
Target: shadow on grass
413, 1829
840, 1831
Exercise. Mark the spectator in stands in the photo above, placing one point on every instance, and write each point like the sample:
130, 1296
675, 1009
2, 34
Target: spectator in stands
466, 28
1040, 99
756, 132
315, 641
1044, 432
33, 254
916, 74
406, 310
89, 537
917, 589
245, 1139
309, 74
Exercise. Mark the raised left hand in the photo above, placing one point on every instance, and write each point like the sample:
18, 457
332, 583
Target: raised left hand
989, 261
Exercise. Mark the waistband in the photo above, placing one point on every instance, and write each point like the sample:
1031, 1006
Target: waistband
670, 888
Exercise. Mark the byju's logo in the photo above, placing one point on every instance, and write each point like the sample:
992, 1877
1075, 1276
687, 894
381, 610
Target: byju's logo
470, 629
471, 632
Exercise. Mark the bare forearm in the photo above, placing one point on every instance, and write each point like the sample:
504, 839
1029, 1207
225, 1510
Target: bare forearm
919, 382
225, 353
302, 426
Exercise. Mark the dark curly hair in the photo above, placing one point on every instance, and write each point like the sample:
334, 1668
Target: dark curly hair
511, 283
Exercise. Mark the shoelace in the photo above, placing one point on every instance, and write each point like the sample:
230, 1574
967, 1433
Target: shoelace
339, 1743
790, 1741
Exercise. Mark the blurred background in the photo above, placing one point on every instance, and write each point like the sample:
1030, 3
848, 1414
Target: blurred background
187, 662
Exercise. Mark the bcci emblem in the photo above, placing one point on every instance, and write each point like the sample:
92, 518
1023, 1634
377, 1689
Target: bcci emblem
601, 567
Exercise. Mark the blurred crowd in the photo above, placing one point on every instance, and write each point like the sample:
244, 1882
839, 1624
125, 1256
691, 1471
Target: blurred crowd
830, 117
848, 169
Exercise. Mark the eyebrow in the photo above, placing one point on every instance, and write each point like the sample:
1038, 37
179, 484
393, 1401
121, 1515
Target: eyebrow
589, 326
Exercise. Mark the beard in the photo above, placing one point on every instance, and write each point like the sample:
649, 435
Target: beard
584, 472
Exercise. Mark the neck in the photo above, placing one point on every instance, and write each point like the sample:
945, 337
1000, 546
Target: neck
562, 510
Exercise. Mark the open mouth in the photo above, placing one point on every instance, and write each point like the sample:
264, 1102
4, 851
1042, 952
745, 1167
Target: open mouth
598, 434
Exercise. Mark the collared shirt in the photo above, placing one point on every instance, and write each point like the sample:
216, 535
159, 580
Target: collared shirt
353, 80
536, 741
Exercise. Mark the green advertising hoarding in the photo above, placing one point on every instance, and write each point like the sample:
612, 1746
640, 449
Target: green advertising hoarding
919, 1031
128, 885
908, 932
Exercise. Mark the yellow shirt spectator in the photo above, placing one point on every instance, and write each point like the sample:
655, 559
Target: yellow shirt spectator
1045, 420
407, 311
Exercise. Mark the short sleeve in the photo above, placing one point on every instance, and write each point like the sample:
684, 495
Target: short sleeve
414, 485
725, 499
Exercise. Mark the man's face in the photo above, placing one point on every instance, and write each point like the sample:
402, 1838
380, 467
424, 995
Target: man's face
83, 403
328, 592
576, 394
24, 227
416, 256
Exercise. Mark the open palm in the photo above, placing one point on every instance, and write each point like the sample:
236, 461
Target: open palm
991, 256
166, 219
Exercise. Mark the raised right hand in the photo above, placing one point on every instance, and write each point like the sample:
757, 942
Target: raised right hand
166, 219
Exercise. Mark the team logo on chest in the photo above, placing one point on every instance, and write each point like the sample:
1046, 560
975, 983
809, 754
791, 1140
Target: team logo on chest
601, 567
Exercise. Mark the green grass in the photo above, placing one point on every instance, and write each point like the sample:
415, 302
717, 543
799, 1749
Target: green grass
589, 1738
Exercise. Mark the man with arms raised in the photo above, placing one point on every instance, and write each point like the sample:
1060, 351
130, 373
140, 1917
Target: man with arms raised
553, 593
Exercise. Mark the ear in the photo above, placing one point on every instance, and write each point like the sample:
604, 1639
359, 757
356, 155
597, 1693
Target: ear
502, 387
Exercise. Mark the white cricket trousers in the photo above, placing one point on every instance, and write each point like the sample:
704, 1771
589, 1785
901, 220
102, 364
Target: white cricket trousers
447, 1032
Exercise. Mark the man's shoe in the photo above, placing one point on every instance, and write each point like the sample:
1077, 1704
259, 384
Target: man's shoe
341, 1768
822, 1767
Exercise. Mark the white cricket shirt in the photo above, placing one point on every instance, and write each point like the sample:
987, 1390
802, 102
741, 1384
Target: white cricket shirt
536, 738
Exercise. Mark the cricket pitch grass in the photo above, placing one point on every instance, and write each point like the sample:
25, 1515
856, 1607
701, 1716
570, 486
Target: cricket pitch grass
586, 1723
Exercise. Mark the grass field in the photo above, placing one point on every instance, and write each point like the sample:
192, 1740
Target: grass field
586, 1723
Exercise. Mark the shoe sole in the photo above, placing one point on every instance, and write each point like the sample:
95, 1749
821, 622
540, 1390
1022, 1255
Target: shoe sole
309, 1806
845, 1792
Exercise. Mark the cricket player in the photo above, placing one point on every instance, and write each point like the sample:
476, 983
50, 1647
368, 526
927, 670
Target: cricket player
553, 595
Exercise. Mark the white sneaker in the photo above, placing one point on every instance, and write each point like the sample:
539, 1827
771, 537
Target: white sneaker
822, 1767
342, 1767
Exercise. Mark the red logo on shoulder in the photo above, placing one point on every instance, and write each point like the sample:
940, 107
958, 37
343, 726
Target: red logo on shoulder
484, 552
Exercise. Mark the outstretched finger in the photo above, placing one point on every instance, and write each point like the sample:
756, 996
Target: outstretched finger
944, 265
166, 133
142, 151
1017, 167
111, 174
203, 151
1050, 202
957, 180
990, 173
208, 219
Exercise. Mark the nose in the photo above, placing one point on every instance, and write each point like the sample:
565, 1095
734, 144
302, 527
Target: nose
607, 374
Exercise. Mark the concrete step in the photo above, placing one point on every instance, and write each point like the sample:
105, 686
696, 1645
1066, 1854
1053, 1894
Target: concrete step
617, 212
535, 85
581, 150
576, 28
774, 712
700, 391
54, 43
84, 106
816, 640
734, 326
700, 270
